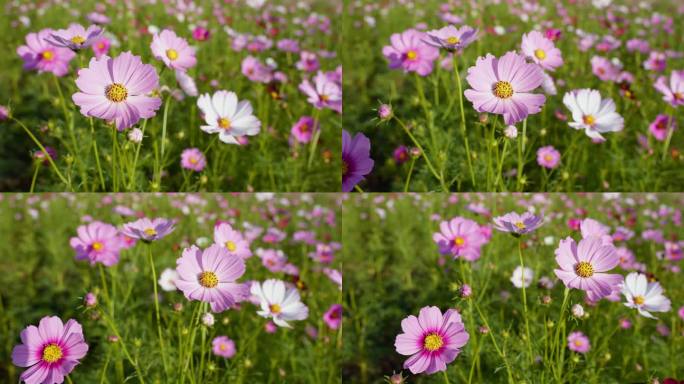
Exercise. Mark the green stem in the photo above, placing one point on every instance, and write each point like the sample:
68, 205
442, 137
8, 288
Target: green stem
97, 156
408, 177
560, 344
35, 175
524, 295
521, 150
496, 345
670, 132
135, 158
463, 120
446, 377
163, 140
156, 308
422, 153
314, 142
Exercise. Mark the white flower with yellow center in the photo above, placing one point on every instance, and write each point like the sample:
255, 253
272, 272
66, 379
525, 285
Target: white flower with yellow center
593, 114
280, 302
643, 296
227, 116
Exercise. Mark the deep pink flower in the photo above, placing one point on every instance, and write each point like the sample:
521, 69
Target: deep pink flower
200, 33
578, 342
657, 61
503, 86
673, 92
432, 340
400, 154
75, 37
308, 62
304, 129
548, 157
223, 346
541, 50
333, 316
410, 52
460, 237
232, 240
173, 50
148, 230
101, 46
662, 126
210, 276
50, 351
42, 56
583, 266
193, 159
97, 242
116, 90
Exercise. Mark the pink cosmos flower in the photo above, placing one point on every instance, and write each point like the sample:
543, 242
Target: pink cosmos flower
42, 56
548, 157
232, 240
657, 61
148, 230
541, 50
174, 51
273, 259
461, 238
200, 33
583, 266
604, 69
662, 126
578, 342
516, 224
50, 351
673, 92
304, 129
308, 62
409, 51
193, 159
116, 90
323, 93
100, 46
593, 228
97, 242
432, 340
333, 316
75, 37
503, 86
223, 346
256, 71
451, 38
210, 276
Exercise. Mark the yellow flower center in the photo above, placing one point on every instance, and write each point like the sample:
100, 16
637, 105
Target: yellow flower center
171, 54
47, 55
548, 158
584, 269
304, 128
150, 231
578, 343
325, 98
97, 246
678, 96
275, 308
78, 39
208, 279
411, 55
224, 123
52, 353
433, 342
540, 54
116, 92
223, 347
453, 40
100, 45
639, 300
231, 246
520, 225
459, 241
193, 160
589, 120
503, 89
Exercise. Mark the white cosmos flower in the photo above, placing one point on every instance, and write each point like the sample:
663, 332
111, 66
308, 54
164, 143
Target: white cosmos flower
167, 280
279, 302
228, 117
644, 296
593, 114
519, 278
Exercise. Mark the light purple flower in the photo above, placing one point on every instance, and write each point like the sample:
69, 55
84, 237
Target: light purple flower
223, 346
409, 51
148, 230
662, 126
193, 159
304, 129
673, 92
578, 342
451, 38
323, 93
356, 161
232, 240
516, 224
174, 51
97, 242
333, 316
75, 37
548, 157
42, 56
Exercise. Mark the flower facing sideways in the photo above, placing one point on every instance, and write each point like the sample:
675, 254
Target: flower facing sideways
75, 37
432, 340
644, 296
593, 114
42, 56
673, 92
451, 38
227, 116
280, 302
518, 224
148, 230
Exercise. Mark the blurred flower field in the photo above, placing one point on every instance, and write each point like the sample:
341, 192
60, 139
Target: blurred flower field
513, 288
242, 288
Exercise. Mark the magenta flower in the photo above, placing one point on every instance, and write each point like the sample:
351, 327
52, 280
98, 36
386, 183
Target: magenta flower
548, 157
116, 90
356, 161
210, 276
223, 346
451, 38
75, 37
323, 93
193, 159
503, 86
583, 266
673, 92
657, 61
410, 52
101, 46
308, 62
516, 224
541, 50
578, 342
432, 340
200, 33
50, 351
97, 242
42, 56
460, 237
232, 240
148, 230
662, 126
333, 316
174, 51
304, 129
400, 154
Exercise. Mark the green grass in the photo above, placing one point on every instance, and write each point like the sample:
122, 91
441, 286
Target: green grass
40, 277
393, 268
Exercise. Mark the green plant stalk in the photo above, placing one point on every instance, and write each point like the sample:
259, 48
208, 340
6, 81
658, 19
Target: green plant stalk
160, 162
521, 150
97, 156
314, 141
42, 148
463, 121
135, 158
408, 177
524, 295
35, 175
559, 343
496, 345
446, 377
422, 152
670, 132
156, 308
